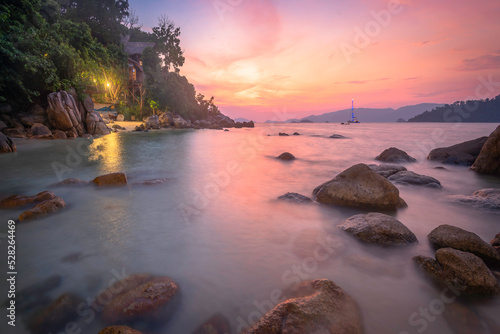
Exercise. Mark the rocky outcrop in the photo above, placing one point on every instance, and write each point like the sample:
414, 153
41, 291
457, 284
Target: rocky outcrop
462, 271
318, 306
283, 134
445, 236
95, 124
18, 201
411, 178
42, 209
152, 122
359, 186
139, 297
295, 197
30, 120
387, 170
58, 134
56, 315
40, 131
484, 198
118, 330
395, 155
6, 144
488, 161
217, 324
113, 179
378, 228
15, 132
286, 156
63, 113
463, 154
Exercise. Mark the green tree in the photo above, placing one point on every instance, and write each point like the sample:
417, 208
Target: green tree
168, 44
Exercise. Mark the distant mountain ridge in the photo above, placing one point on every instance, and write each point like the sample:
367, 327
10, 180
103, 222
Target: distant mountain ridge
369, 115
470, 111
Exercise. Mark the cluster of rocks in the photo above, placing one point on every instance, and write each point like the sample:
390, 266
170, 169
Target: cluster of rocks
463, 262
171, 120
64, 117
45, 202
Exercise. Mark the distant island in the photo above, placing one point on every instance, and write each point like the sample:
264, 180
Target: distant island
482, 111
368, 115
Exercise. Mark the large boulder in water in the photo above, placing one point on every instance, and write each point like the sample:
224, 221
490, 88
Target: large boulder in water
17, 201
359, 186
463, 154
484, 198
63, 113
488, 161
378, 228
445, 236
395, 155
286, 156
318, 306
95, 124
6, 144
152, 122
462, 271
137, 297
113, 179
412, 178
42, 209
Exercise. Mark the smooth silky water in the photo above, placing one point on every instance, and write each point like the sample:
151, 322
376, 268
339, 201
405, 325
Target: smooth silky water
216, 227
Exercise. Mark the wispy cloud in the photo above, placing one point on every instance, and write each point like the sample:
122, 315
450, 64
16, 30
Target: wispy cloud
484, 62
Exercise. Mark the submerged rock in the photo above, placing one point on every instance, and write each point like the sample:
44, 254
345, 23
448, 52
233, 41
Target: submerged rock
152, 182
137, 297
462, 271
295, 197
113, 179
118, 330
42, 209
335, 136
484, 198
72, 182
454, 237
318, 306
463, 154
378, 228
359, 186
56, 315
387, 170
395, 155
17, 201
283, 134
296, 134
6, 144
217, 324
488, 161
463, 320
411, 178
286, 156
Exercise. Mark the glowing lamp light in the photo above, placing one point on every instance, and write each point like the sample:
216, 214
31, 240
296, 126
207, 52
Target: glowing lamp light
107, 84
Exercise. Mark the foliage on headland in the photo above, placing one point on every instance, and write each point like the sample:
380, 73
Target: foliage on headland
469, 111
51, 45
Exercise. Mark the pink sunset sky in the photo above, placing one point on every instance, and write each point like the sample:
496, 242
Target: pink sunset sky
311, 57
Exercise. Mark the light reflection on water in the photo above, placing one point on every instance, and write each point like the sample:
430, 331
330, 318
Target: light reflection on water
237, 242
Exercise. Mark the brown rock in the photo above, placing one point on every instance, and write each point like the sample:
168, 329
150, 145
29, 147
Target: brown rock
495, 242
29, 121
113, 179
64, 114
96, 125
56, 315
72, 182
40, 131
395, 155
488, 161
318, 306
359, 186
37, 110
6, 144
286, 156
140, 297
217, 324
460, 154
463, 320
377, 228
451, 236
71, 134
15, 132
119, 330
58, 134
462, 271
43, 209
17, 201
